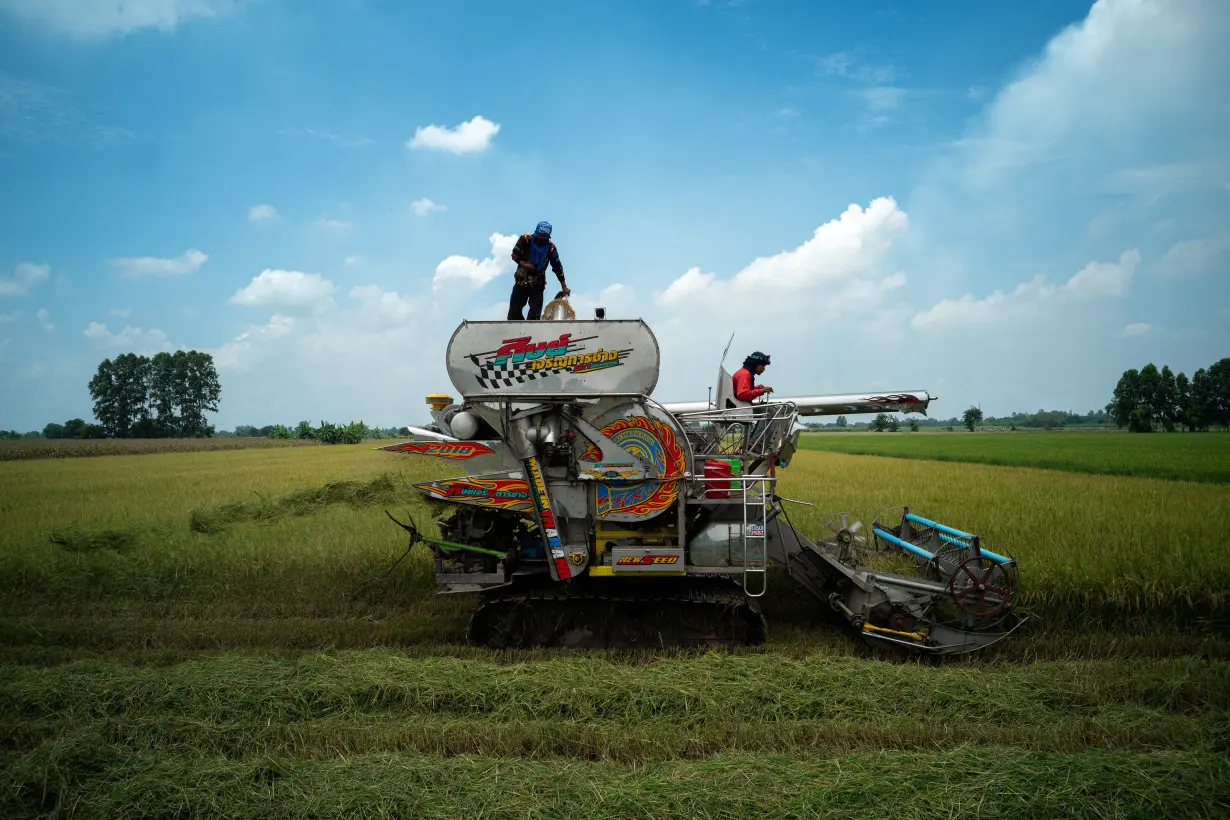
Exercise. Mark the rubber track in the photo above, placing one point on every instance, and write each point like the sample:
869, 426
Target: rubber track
610, 615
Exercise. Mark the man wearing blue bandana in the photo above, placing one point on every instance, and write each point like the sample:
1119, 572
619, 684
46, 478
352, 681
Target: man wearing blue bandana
532, 253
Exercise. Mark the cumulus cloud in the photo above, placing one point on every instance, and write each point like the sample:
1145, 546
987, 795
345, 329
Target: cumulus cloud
128, 340
424, 206
26, 276
44, 319
123, 313
474, 271
353, 261
1032, 299
1136, 329
88, 19
239, 355
332, 224
259, 213
849, 248
383, 305
473, 136
189, 263
285, 289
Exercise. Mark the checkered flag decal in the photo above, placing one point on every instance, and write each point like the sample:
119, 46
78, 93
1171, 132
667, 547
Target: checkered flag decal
507, 374
494, 376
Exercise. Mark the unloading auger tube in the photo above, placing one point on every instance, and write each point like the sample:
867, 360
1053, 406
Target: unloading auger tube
588, 514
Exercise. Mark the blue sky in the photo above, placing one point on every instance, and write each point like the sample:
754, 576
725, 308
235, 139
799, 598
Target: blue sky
1003, 203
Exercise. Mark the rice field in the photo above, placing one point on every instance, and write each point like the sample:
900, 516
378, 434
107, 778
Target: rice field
214, 634
1181, 456
16, 450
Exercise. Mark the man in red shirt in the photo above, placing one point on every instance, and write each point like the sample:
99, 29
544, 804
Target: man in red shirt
745, 385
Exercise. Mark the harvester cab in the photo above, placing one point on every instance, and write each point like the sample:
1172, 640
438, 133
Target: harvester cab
592, 515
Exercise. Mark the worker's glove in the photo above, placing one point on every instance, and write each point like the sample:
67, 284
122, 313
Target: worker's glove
564, 290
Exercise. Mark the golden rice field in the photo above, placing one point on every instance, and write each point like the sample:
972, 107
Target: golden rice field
213, 634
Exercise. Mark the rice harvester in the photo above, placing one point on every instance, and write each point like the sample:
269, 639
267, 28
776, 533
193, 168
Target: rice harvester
591, 515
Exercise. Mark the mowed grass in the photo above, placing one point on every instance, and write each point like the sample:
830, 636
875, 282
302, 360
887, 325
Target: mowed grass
215, 634
1183, 456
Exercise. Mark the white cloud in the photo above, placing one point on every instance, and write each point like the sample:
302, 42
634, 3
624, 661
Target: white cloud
353, 261
1136, 329
1196, 256
44, 319
333, 224
26, 276
239, 355
845, 249
128, 340
1032, 299
883, 98
1110, 87
257, 213
123, 313
86, 19
424, 206
285, 289
189, 263
847, 64
472, 136
476, 272
385, 305
5, 318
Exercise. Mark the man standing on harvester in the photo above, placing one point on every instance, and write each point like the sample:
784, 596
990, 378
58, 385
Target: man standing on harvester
532, 253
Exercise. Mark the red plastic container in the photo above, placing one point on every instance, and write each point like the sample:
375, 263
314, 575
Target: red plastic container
715, 470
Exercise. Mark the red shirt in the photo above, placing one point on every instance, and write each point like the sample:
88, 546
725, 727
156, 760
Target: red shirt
743, 386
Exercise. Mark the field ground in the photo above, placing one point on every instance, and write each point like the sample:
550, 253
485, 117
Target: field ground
213, 634
17, 450
1183, 456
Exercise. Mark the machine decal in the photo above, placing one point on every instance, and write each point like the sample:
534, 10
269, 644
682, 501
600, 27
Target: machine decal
547, 518
897, 398
646, 560
521, 359
577, 558
654, 443
501, 493
455, 450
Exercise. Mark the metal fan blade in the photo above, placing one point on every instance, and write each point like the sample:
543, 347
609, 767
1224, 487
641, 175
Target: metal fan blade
856, 526
845, 521
859, 541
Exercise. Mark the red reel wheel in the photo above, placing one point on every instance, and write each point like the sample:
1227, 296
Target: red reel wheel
980, 587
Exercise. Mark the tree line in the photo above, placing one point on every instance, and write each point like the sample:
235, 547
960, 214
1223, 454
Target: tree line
165, 396
1149, 399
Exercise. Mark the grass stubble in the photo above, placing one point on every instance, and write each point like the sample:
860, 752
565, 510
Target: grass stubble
225, 643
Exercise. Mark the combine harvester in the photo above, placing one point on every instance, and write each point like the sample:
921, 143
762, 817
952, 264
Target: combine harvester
594, 516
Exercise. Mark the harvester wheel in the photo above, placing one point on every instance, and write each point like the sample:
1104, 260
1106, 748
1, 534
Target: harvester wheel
980, 587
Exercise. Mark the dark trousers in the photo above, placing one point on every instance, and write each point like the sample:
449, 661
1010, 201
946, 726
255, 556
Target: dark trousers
522, 294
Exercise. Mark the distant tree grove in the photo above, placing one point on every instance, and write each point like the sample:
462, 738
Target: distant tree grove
1149, 399
161, 397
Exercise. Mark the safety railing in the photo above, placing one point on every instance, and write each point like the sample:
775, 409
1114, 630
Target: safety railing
753, 431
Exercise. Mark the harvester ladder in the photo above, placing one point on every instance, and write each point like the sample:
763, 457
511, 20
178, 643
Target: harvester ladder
755, 533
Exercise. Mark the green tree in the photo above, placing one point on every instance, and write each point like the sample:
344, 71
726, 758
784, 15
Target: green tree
120, 391
53, 430
183, 386
1183, 401
880, 423
841, 421
1167, 409
74, 428
304, 430
913, 425
971, 417
1126, 398
894, 424
1219, 393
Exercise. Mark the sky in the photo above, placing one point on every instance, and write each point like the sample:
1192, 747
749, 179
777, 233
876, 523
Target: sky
1005, 204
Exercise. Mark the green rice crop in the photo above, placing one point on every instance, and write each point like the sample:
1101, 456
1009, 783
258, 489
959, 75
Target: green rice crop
1183, 456
219, 634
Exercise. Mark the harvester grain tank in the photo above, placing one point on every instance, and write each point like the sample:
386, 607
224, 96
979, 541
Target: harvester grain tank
590, 514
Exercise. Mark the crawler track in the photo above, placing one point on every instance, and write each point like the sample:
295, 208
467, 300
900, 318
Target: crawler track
605, 616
